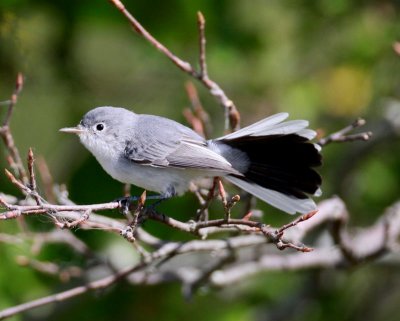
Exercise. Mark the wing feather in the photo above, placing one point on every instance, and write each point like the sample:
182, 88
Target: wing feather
160, 142
190, 155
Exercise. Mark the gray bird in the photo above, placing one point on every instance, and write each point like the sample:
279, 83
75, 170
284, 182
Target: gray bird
270, 159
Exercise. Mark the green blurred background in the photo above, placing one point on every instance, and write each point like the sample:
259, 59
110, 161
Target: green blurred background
325, 61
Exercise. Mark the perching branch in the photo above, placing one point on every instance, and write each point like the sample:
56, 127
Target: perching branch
61, 214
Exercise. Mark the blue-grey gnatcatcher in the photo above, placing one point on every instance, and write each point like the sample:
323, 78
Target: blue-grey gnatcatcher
270, 159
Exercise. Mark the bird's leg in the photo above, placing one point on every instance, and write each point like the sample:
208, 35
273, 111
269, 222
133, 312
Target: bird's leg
125, 202
169, 193
160, 199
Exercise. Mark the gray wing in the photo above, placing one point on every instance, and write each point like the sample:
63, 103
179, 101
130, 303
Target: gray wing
161, 142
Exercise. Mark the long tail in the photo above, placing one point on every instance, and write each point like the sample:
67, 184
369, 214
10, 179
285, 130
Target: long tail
276, 161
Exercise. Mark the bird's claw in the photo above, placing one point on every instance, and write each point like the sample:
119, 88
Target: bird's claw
125, 204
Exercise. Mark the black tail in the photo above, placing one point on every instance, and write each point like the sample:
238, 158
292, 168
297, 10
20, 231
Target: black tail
282, 163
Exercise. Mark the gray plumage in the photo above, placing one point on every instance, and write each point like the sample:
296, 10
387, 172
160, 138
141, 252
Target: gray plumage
161, 155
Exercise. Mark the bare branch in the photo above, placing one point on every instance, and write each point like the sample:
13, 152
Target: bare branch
202, 212
50, 208
13, 101
16, 182
14, 157
340, 136
302, 218
194, 122
58, 237
32, 178
198, 110
231, 112
50, 268
63, 296
46, 179
202, 45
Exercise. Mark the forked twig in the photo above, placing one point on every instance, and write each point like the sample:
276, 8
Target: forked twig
340, 136
14, 158
32, 178
231, 112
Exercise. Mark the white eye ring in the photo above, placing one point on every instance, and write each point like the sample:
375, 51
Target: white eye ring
99, 127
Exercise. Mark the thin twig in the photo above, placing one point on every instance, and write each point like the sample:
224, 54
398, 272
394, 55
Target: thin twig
32, 178
50, 268
222, 194
194, 122
16, 182
202, 45
228, 204
138, 210
14, 157
231, 112
302, 218
198, 109
51, 208
59, 237
63, 296
84, 217
13, 101
340, 136
203, 210
46, 179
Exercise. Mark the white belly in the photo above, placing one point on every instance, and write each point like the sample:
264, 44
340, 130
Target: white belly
156, 179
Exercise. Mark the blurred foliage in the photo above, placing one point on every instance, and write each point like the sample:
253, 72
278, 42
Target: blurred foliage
326, 61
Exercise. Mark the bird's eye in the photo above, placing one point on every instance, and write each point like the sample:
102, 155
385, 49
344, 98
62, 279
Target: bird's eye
100, 127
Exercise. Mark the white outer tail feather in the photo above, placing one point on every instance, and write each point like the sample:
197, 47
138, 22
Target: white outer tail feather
259, 126
289, 204
274, 125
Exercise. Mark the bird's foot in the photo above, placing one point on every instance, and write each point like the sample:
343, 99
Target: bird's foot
125, 204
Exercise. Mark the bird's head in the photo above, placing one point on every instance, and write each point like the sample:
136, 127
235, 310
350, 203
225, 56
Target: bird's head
103, 129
